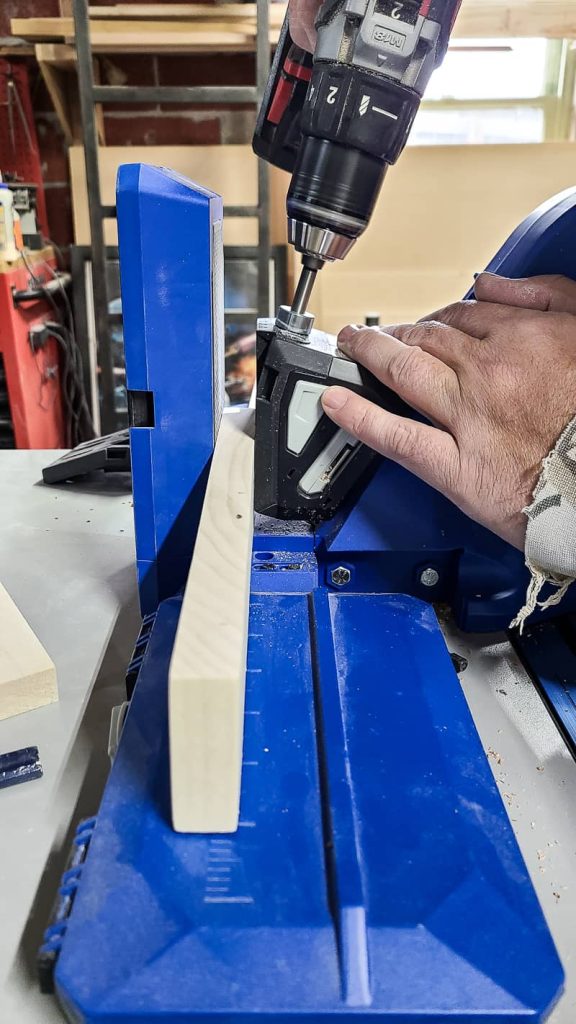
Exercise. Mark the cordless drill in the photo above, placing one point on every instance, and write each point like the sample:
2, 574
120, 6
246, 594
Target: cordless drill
336, 121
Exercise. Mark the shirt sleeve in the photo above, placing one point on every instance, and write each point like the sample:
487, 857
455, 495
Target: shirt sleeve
551, 532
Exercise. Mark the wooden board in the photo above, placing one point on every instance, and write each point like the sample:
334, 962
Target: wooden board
27, 674
61, 81
33, 257
443, 214
485, 19
192, 12
208, 666
125, 36
232, 171
552, 19
59, 54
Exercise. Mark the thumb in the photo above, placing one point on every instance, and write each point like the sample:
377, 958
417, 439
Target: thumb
549, 293
428, 452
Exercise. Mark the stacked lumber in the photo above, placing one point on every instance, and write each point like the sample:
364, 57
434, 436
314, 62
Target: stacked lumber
154, 28
197, 28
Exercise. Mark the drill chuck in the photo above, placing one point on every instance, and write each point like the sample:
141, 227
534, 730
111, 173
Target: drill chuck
332, 196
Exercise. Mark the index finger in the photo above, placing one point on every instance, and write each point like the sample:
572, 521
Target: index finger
548, 292
302, 22
423, 381
475, 319
426, 451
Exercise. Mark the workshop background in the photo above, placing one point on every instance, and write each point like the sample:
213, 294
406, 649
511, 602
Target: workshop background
495, 135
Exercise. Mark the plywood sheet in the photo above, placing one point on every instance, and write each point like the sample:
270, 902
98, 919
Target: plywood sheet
232, 171
443, 214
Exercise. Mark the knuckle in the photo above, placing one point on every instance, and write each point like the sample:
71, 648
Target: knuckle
405, 367
362, 342
427, 333
559, 281
361, 422
453, 313
412, 334
451, 476
400, 439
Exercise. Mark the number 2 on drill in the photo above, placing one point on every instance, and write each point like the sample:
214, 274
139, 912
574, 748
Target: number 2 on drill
332, 94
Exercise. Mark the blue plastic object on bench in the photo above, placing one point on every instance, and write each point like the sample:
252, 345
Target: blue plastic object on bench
375, 871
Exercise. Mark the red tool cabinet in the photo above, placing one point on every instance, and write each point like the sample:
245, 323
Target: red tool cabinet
31, 413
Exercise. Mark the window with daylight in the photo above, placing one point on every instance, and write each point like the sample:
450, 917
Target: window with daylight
499, 90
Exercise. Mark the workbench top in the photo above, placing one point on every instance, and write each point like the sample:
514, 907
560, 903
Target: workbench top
67, 558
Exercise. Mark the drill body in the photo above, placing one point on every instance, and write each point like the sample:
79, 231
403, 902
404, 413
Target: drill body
336, 121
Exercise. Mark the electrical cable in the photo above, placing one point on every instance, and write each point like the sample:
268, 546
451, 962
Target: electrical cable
80, 426
71, 383
67, 393
76, 348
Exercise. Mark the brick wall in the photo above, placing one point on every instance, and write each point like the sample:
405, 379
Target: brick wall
25, 9
171, 123
141, 125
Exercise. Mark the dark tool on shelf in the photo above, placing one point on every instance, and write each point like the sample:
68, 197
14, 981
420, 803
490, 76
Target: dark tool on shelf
110, 454
20, 766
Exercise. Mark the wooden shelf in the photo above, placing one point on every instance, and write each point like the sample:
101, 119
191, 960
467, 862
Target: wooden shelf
231, 28
194, 12
188, 28
228, 29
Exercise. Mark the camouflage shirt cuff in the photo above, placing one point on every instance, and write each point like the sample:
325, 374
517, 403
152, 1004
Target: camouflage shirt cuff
551, 531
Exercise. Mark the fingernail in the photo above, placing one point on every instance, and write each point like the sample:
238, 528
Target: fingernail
347, 333
334, 399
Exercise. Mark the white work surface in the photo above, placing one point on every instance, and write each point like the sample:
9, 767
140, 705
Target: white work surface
67, 559
66, 556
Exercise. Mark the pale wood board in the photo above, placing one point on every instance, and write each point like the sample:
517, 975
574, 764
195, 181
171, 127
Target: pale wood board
55, 81
231, 171
33, 257
62, 84
149, 36
443, 214
27, 674
59, 54
553, 19
194, 12
208, 667
485, 19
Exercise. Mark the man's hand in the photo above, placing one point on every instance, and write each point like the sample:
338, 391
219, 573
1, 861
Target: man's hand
302, 17
496, 378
